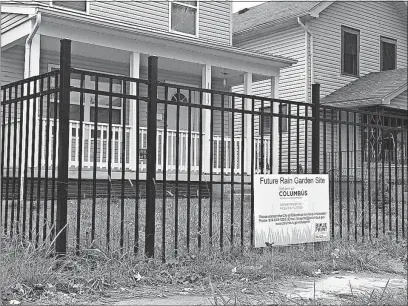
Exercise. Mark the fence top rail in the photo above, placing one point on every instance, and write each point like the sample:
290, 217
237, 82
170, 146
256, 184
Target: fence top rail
53, 73
232, 94
40, 94
330, 108
109, 76
259, 112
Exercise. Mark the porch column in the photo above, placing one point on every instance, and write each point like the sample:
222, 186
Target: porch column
248, 124
206, 124
275, 126
134, 73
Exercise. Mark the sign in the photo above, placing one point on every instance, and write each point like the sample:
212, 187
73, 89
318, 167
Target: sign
291, 208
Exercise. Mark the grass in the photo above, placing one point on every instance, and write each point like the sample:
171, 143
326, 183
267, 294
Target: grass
185, 234
32, 274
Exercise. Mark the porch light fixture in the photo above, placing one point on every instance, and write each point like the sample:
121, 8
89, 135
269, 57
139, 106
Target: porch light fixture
224, 80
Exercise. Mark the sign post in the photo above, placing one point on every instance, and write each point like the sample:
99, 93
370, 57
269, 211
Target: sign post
291, 209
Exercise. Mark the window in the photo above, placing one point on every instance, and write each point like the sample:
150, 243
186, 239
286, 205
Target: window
388, 51
89, 99
184, 17
179, 97
73, 5
265, 128
350, 49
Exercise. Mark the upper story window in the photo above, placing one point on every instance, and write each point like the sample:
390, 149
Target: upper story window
73, 5
350, 49
388, 53
184, 17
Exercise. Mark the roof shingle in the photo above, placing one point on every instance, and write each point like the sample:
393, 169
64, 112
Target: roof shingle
269, 12
372, 87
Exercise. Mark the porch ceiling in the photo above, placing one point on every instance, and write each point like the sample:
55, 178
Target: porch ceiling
198, 53
233, 77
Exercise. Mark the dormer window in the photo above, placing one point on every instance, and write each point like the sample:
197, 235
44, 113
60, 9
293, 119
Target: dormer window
184, 17
388, 53
72, 5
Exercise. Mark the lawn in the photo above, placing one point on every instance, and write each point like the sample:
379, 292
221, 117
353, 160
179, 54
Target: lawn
347, 220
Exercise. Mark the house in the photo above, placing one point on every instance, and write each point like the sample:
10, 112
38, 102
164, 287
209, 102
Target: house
355, 50
193, 43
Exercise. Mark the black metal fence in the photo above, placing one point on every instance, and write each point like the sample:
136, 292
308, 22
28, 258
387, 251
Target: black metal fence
91, 162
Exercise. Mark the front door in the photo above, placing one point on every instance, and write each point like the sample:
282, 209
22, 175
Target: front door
182, 96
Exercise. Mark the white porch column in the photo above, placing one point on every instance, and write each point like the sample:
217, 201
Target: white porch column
207, 142
134, 73
275, 126
248, 124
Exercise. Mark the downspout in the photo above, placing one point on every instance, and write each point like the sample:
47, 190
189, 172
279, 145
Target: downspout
27, 74
307, 58
29, 40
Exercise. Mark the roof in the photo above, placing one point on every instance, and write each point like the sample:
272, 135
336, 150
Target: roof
370, 89
272, 11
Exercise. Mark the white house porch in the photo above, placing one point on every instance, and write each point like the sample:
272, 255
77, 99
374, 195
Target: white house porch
118, 52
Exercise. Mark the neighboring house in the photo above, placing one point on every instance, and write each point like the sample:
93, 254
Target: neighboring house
335, 43
192, 39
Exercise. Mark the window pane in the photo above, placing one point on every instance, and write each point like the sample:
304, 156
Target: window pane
183, 19
266, 128
284, 111
388, 56
76, 5
74, 111
103, 115
350, 50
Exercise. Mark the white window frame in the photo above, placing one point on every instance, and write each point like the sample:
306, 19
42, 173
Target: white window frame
197, 18
87, 102
72, 10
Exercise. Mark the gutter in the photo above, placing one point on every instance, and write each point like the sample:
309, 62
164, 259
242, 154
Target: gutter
29, 40
307, 30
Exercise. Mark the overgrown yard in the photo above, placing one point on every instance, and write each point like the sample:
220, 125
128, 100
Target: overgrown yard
101, 275
187, 224
95, 276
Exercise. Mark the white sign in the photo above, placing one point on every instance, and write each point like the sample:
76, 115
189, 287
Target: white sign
291, 208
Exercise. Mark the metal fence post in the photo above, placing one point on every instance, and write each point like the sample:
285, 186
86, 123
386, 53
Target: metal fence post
63, 147
316, 128
151, 158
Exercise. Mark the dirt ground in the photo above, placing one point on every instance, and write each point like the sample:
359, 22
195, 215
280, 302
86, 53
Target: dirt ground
335, 289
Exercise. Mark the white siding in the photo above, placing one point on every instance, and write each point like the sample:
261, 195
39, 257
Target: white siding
214, 16
215, 21
400, 101
12, 65
290, 43
373, 19
9, 20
